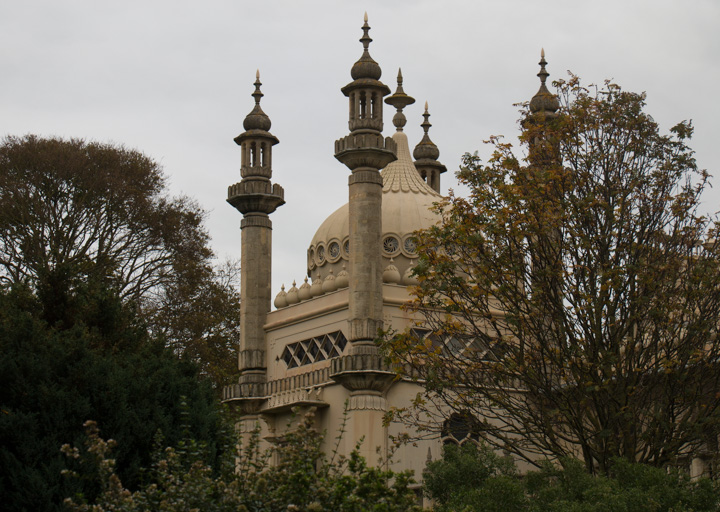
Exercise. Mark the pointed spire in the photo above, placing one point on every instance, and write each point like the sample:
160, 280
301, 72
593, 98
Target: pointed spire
399, 100
366, 67
544, 100
426, 155
257, 119
426, 148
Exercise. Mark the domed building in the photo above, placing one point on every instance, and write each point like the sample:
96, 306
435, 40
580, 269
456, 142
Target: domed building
315, 350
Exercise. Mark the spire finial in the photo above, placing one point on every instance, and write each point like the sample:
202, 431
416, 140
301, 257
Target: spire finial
542, 74
257, 94
365, 39
544, 100
426, 123
399, 100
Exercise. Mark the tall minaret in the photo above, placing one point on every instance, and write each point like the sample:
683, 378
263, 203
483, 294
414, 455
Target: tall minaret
426, 155
256, 198
365, 152
362, 371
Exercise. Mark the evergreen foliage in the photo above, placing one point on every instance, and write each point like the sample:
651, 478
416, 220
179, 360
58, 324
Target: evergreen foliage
472, 478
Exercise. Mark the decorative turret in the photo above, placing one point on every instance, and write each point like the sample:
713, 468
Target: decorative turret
544, 102
256, 198
426, 155
364, 151
544, 108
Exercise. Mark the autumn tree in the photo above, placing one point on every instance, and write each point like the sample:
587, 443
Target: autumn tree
74, 212
570, 302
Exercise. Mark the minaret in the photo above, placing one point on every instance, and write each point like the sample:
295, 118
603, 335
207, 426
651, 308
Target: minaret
364, 151
426, 155
256, 198
362, 371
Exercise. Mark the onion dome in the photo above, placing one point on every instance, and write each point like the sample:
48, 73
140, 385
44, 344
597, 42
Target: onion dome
408, 278
329, 284
366, 67
257, 119
544, 100
343, 278
426, 149
292, 295
281, 298
391, 274
316, 288
304, 292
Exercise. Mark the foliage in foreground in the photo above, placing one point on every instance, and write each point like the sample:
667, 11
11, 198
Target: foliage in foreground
303, 479
471, 478
570, 303
105, 366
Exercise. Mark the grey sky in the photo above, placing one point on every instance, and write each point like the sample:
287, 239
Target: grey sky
173, 79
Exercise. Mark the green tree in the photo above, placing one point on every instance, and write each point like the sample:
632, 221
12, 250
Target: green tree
473, 478
572, 299
104, 366
73, 212
304, 479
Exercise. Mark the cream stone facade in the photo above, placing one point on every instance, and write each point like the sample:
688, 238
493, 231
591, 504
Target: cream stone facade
316, 350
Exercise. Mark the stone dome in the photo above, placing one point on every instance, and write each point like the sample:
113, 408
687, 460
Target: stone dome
406, 204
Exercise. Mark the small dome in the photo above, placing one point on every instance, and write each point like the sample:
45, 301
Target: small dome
391, 274
329, 284
304, 292
316, 289
343, 278
281, 298
544, 100
408, 278
366, 67
426, 149
257, 119
292, 295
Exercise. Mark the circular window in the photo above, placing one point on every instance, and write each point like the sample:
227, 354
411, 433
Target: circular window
346, 247
321, 254
333, 251
409, 246
391, 245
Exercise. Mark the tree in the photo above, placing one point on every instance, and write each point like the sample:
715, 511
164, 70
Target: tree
104, 367
473, 478
303, 480
571, 301
73, 212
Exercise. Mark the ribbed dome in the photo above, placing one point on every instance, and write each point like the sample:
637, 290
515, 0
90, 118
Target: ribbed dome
406, 204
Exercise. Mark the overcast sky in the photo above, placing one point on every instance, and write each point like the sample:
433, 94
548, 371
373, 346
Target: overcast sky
173, 79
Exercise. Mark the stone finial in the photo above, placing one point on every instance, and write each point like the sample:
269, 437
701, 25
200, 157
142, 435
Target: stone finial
426, 155
426, 148
257, 119
399, 100
366, 67
544, 100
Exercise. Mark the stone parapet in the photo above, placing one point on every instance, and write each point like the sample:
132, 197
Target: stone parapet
362, 372
365, 150
256, 196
